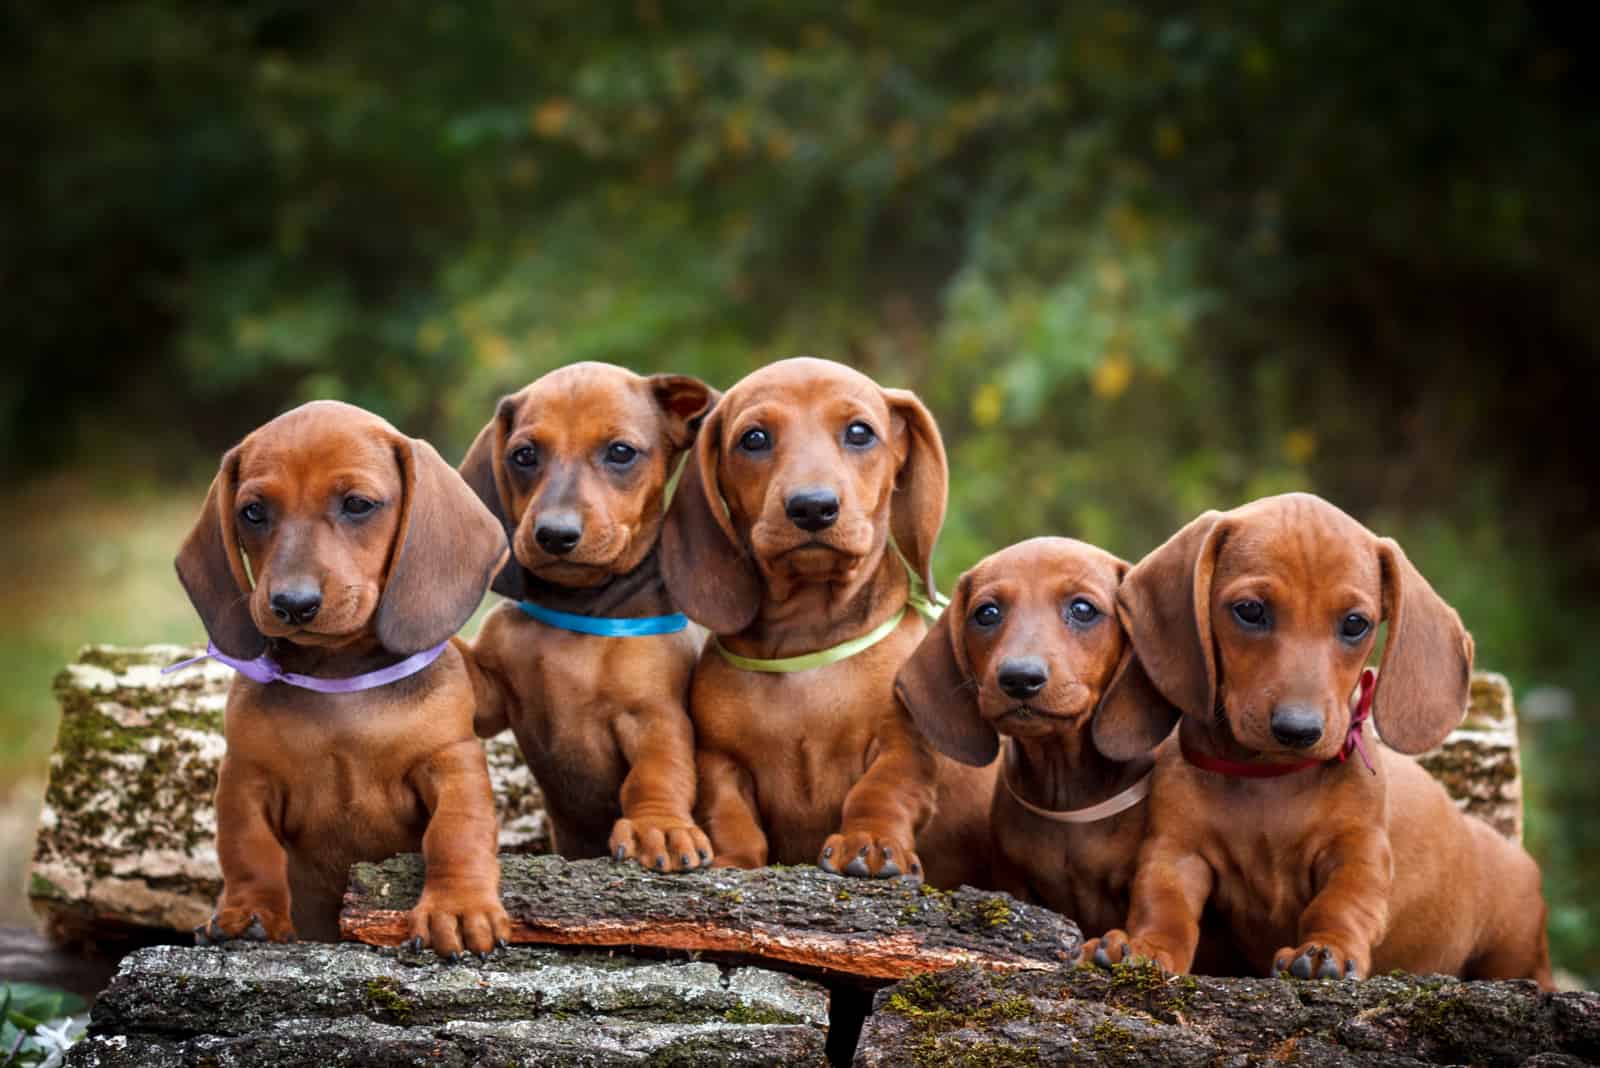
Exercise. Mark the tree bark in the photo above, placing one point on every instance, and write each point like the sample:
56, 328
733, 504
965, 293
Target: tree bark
1133, 1015
800, 918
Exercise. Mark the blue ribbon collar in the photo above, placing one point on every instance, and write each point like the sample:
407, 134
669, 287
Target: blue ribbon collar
606, 626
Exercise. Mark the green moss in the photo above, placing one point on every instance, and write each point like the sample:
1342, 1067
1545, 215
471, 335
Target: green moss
842, 895
929, 1052
993, 912
39, 886
383, 995
757, 1014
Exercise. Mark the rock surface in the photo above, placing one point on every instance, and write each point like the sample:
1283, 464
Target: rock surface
315, 1005
1133, 1015
127, 835
802, 918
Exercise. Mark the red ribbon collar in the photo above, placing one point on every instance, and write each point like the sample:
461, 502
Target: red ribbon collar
1353, 743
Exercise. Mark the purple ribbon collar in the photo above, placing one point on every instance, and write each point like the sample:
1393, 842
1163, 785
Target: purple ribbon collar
264, 669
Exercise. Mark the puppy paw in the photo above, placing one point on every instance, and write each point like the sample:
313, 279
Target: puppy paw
870, 856
1317, 960
661, 844
245, 923
1117, 947
450, 923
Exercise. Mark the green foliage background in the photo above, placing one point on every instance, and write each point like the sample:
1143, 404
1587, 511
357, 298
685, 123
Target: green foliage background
1141, 258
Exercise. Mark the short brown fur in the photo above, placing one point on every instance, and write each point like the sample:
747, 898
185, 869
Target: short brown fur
313, 782
821, 765
1330, 871
600, 720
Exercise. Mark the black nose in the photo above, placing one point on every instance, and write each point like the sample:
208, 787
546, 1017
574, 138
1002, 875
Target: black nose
558, 537
812, 510
1022, 676
296, 606
1296, 726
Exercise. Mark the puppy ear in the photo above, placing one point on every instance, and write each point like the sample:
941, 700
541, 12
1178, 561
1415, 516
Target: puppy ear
448, 547
686, 401
922, 485
484, 471
1165, 607
1427, 662
1132, 718
211, 568
709, 575
936, 687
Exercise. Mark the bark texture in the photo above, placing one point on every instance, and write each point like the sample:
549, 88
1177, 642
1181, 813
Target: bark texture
801, 918
315, 1005
1479, 763
1133, 1015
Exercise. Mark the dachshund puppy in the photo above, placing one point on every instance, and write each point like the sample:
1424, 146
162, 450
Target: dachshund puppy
590, 662
331, 563
1028, 645
808, 483
1322, 853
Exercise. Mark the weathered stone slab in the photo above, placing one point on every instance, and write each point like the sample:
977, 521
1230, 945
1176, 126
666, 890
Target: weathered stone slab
127, 836
1480, 762
316, 1005
1134, 1015
801, 918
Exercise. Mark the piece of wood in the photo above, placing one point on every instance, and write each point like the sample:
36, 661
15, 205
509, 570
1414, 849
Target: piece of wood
127, 835
314, 1005
1480, 762
801, 918
1133, 1015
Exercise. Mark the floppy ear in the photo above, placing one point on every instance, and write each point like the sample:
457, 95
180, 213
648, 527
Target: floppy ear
922, 485
1427, 662
212, 570
1164, 604
448, 546
936, 687
709, 575
484, 471
1132, 717
685, 401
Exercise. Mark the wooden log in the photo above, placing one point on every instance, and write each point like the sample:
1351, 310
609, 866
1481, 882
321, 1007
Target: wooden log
800, 918
314, 1005
127, 835
1480, 762
1133, 1015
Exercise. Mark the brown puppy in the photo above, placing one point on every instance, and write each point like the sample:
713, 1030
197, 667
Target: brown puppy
576, 466
366, 550
1257, 623
779, 543
1027, 646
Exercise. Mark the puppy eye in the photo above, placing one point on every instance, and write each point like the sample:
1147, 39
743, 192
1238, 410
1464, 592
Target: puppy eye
859, 435
755, 440
1354, 627
1082, 610
526, 456
1250, 613
354, 505
620, 454
253, 513
987, 614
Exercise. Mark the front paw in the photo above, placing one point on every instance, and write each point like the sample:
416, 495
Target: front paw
449, 922
670, 844
1319, 959
245, 923
1117, 947
866, 855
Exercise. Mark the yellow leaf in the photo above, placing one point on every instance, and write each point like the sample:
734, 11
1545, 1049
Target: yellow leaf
431, 335
491, 349
987, 404
1300, 446
1111, 378
550, 117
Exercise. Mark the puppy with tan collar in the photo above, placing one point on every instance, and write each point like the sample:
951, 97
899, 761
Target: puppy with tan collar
589, 660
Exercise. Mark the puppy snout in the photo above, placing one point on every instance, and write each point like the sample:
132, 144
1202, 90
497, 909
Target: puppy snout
558, 534
1022, 677
298, 605
1296, 726
812, 509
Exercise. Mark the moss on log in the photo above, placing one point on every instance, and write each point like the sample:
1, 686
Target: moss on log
1133, 1015
315, 1005
802, 918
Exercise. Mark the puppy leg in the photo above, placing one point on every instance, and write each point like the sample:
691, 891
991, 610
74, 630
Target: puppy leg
255, 868
1348, 915
460, 903
492, 697
1169, 894
885, 808
657, 828
728, 809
